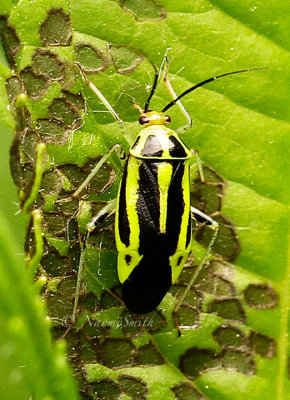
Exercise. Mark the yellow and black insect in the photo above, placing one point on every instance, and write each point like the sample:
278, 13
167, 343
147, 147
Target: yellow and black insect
153, 222
153, 211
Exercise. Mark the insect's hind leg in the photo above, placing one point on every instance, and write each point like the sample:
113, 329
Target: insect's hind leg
105, 212
200, 217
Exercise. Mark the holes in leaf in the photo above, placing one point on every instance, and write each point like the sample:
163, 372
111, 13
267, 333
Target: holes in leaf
90, 58
144, 10
28, 146
187, 316
52, 131
14, 87
103, 237
118, 353
74, 255
154, 321
99, 184
262, 345
223, 270
51, 182
55, 223
185, 391
228, 309
88, 349
104, 390
70, 77
229, 336
105, 224
148, 355
131, 325
93, 329
73, 345
125, 59
184, 278
36, 85
208, 282
104, 179
133, 387
237, 360
207, 196
74, 174
29, 245
23, 119
10, 41
26, 181
89, 303
109, 301
195, 361
192, 298
56, 29
69, 207
75, 99
63, 111
227, 244
260, 296
48, 64
60, 304
55, 265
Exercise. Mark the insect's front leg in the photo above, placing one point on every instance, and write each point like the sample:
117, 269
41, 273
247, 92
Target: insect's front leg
116, 148
202, 218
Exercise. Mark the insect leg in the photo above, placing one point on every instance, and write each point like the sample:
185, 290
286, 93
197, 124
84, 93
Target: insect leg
199, 165
173, 95
105, 212
97, 167
99, 94
203, 218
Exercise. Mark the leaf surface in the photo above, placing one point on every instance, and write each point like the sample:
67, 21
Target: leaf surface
237, 344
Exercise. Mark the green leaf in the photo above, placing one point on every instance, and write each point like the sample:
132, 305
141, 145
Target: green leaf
237, 311
30, 364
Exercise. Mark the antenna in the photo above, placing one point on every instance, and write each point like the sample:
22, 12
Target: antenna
156, 78
204, 83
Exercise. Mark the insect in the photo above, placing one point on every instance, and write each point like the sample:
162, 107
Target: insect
153, 211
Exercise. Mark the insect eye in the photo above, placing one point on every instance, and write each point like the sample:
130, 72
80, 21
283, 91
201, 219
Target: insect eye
167, 118
143, 120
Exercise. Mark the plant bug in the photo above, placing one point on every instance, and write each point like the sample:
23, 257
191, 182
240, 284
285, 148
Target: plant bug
153, 211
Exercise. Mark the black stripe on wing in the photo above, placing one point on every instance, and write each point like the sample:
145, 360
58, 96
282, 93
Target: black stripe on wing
124, 227
175, 206
148, 208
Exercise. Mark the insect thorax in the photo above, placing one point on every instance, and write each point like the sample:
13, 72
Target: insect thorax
159, 142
